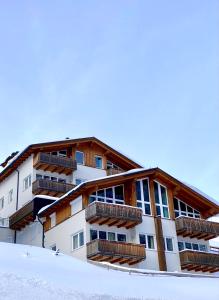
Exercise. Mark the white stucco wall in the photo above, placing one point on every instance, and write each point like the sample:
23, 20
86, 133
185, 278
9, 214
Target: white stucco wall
30, 235
87, 173
6, 235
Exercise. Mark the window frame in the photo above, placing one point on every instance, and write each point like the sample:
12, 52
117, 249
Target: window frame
146, 235
192, 247
72, 240
2, 201
107, 235
142, 201
83, 163
98, 156
160, 204
105, 198
165, 244
10, 196
52, 220
185, 213
28, 180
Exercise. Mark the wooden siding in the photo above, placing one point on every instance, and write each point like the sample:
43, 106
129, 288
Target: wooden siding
115, 252
63, 213
49, 187
113, 215
196, 228
54, 163
160, 244
112, 171
199, 261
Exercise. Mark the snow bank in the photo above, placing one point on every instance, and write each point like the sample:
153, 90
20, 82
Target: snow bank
34, 273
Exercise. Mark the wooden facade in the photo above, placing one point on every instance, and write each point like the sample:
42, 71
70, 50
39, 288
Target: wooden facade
115, 252
197, 228
199, 261
113, 215
51, 188
54, 163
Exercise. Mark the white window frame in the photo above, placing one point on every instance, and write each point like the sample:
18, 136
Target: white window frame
53, 219
190, 242
98, 156
72, 240
10, 196
146, 239
165, 244
2, 200
186, 212
109, 231
27, 181
104, 198
142, 201
160, 200
83, 157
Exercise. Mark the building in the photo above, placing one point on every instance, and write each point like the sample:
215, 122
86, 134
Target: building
92, 202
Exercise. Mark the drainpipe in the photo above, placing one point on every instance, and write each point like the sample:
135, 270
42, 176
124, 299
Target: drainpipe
18, 179
43, 233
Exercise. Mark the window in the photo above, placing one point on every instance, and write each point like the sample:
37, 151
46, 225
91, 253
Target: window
181, 246
52, 178
62, 153
191, 246
104, 235
10, 196
53, 219
182, 209
27, 182
168, 244
161, 201
38, 176
109, 195
143, 197
1, 203
79, 157
77, 240
98, 162
147, 240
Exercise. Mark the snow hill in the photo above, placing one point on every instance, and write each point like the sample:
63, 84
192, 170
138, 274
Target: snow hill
34, 273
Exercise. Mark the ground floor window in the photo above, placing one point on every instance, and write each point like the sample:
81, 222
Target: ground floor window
147, 240
113, 194
168, 244
107, 235
182, 209
182, 245
77, 240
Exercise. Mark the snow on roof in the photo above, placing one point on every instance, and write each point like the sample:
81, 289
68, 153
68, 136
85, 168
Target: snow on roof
201, 193
10, 161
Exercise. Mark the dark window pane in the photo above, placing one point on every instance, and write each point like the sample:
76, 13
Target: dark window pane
176, 214
180, 246
182, 206
196, 212
163, 195
158, 210
111, 236
146, 191
81, 239
102, 235
138, 190
156, 194
93, 234
165, 212
202, 248
147, 209
139, 204
151, 242
169, 243
121, 237
188, 245
119, 192
142, 239
176, 204
189, 209
98, 162
109, 200
100, 193
109, 193
195, 247
92, 199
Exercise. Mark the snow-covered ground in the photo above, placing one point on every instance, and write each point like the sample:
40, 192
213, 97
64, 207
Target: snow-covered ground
34, 273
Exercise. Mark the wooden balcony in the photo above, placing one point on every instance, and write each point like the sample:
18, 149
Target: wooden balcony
54, 163
113, 214
196, 228
115, 252
112, 171
199, 261
51, 188
27, 213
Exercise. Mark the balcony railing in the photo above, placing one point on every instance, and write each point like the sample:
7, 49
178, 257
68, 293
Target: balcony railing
113, 171
115, 252
113, 214
199, 261
196, 228
54, 163
51, 188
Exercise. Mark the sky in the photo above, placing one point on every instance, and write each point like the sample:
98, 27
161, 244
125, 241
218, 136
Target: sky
140, 75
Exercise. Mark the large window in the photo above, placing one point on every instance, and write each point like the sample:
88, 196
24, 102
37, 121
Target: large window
77, 240
27, 182
107, 235
182, 209
168, 244
142, 195
147, 240
161, 200
1, 203
98, 162
182, 245
79, 157
113, 194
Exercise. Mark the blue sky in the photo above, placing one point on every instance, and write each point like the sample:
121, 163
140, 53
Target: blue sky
140, 75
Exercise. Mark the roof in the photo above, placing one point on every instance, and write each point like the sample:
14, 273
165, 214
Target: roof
49, 146
79, 189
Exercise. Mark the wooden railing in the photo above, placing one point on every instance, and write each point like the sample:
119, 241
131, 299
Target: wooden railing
112, 171
113, 214
197, 228
42, 186
120, 252
199, 261
54, 163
